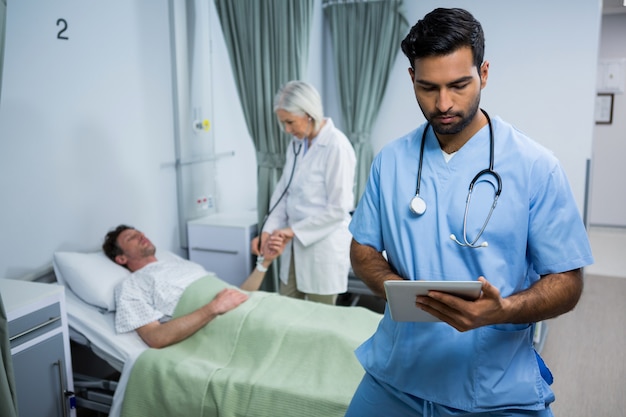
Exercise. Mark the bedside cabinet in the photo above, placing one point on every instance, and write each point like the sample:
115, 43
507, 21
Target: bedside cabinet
221, 244
40, 348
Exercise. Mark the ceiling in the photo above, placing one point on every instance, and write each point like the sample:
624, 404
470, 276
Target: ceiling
613, 6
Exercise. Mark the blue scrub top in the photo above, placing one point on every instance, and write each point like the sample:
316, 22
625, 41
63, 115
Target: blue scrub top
535, 229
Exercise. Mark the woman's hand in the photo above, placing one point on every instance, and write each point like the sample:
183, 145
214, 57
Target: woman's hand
285, 233
274, 246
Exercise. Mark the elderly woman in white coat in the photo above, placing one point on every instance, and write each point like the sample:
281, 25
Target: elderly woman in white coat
312, 201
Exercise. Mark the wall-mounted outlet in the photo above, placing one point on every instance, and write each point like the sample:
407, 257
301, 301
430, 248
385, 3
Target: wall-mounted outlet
202, 125
202, 203
205, 202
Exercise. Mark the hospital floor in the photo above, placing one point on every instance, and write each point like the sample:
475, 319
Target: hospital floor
607, 245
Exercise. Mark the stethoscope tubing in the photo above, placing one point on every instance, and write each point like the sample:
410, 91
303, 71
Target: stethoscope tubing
293, 170
487, 171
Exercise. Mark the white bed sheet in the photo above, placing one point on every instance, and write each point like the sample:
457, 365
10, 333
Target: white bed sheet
99, 329
119, 350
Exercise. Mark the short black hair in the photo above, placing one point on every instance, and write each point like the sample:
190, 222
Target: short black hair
442, 32
110, 247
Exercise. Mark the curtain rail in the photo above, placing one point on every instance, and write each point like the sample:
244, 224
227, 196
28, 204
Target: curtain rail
327, 3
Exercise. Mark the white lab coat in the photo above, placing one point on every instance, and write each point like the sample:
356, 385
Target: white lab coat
317, 207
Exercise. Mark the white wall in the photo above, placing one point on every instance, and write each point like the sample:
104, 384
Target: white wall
542, 73
85, 128
86, 125
608, 197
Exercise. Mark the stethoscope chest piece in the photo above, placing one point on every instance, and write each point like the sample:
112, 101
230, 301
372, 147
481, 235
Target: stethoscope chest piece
418, 205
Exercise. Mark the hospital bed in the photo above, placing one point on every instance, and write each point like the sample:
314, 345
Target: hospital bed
240, 381
92, 329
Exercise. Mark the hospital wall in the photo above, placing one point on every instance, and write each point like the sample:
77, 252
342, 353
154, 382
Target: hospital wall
87, 125
542, 73
85, 128
607, 196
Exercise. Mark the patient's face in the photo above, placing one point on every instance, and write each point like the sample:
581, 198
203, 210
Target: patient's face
135, 244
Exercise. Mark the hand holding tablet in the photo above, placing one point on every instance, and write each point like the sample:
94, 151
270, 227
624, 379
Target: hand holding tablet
401, 296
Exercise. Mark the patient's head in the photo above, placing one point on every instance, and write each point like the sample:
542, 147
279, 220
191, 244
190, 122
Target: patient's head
128, 247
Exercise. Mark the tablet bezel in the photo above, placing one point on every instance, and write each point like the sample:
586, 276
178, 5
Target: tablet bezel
401, 296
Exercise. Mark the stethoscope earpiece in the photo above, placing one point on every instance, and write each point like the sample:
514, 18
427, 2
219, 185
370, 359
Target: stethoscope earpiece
482, 245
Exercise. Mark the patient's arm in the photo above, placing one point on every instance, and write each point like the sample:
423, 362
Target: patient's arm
273, 246
255, 279
158, 335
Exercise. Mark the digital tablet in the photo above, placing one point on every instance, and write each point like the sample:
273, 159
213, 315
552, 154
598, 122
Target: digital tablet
401, 296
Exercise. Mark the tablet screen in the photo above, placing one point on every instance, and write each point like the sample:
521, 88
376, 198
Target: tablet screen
401, 296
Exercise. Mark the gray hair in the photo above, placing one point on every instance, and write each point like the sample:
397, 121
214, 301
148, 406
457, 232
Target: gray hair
302, 99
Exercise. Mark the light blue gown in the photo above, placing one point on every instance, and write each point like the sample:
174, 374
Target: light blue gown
535, 229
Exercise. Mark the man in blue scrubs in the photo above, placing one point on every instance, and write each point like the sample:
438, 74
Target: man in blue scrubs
527, 251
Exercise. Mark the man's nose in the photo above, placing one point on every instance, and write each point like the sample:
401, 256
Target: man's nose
444, 101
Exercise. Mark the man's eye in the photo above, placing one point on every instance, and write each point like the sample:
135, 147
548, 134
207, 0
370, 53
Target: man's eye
460, 86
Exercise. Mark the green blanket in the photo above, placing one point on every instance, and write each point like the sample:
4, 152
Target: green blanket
271, 356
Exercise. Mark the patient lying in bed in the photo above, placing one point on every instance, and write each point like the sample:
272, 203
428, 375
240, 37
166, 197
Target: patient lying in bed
146, 300
272, 356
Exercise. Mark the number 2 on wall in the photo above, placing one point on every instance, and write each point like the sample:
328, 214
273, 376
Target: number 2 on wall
63, 24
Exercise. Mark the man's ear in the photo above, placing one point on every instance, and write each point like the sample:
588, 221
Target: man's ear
121, 260
484, 74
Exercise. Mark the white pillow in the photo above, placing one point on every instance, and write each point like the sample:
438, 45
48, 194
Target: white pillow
92, 276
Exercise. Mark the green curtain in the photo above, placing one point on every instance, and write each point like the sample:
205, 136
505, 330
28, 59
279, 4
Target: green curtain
366, 36
268, 45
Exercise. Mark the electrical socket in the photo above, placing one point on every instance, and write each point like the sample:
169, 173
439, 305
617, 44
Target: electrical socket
205, 202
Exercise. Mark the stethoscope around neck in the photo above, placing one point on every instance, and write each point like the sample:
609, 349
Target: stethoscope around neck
418, 205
